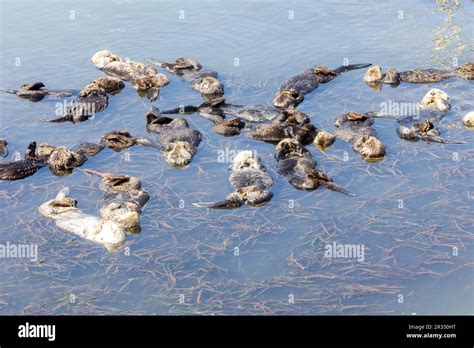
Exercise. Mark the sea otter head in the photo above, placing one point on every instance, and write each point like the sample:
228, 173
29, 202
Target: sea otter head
370, 148
62, 160
436, 99
59, 205
286, 98
178, 153
209, 86
288, 147
102, 58
111, 85
392, 77
373, 75
324, 139
246, 160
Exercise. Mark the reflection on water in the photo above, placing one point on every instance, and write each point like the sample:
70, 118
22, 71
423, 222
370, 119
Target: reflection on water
412, 213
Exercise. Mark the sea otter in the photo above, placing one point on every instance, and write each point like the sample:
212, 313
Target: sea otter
62, 161
468, 119
276, 131
297, 164
67, 216
93, 98
35, 92
374, 75
250, 181
15, 170
143, 77
293, 90
356, 129
205, 82
119, 140
123, 199
178, 142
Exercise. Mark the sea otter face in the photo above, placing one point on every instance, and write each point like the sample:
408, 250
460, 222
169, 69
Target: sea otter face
466, 71
468, 119
102, 58
45, 150
125, 215
61, 158
246, 160
436, 99
324, 139
373, 75
179, 153
286, 98
288, 147
392, 77
59, 205
209, 86
370, 148
185, 64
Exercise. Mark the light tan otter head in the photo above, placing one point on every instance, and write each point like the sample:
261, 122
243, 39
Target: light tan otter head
102, 58
178, 153
286, 98
209, 86
246, 160
468, 120
373, 75
58, 206
370, 148
324, 139
45, 150
126, 215
436, 99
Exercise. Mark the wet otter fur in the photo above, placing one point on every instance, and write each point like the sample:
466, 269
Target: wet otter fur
250, 181
62, 209
177, 141
15, 170
35, 92
297, 164
204, 82
293, 90
3, 148
93, 98
119, 140
62, 161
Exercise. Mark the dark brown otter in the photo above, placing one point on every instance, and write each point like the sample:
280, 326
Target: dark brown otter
35, 92
297, 164
16, 170
93, 98
293, 90
119, 140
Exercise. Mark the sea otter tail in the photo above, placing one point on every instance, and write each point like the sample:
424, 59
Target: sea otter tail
335, 187
226, 204
345, 68
436, 139
11, 91
142, 141
188, 109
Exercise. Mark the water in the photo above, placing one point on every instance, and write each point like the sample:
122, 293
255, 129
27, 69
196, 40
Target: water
412, 214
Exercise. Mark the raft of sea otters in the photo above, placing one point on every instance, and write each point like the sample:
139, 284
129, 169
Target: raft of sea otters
280, 124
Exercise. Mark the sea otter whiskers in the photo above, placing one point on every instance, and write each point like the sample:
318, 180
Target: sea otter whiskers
205, 82
93, 98
118, 140
178, 142
62, 160
375, 77
29, 165
297, 164
143, 77
35, 92
293, 90
250, 181
63, 211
